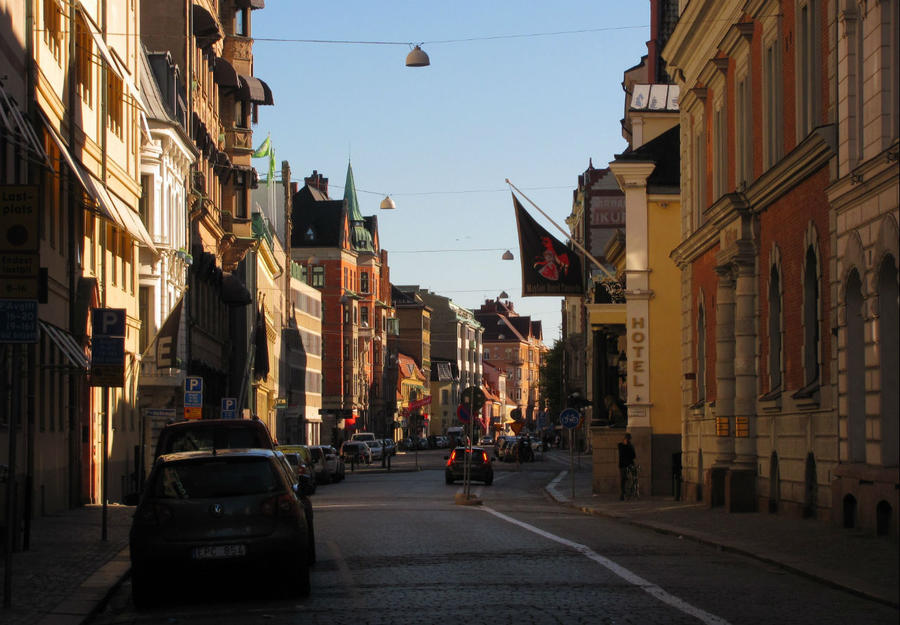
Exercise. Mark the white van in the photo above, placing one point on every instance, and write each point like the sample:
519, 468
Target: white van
363, 436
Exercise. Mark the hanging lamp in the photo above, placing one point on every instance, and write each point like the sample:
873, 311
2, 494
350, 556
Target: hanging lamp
417, 58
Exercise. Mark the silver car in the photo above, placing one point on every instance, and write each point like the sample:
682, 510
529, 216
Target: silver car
220, 511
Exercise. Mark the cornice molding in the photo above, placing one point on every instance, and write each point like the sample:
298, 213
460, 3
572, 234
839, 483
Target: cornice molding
804, 160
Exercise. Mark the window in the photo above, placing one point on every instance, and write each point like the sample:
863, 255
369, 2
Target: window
364, 315
53, 27
364, 282
242, 22
775, 340
699, 167
346, 278
720, 153
84, 66
241, 114
855, 342
318, 277
807, 68
144, 202
772, 120
701, 354
240, 202
744, 131
810, 318
113, 244
114, 103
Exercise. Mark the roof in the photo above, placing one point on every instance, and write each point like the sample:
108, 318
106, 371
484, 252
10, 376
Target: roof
360, 237
664, 151
150, 93
316, 220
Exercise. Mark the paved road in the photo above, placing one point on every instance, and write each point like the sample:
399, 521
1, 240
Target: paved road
394, 547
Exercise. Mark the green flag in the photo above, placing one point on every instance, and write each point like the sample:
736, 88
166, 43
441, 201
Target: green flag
265, 149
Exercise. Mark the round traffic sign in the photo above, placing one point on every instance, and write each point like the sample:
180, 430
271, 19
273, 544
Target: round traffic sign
569, 418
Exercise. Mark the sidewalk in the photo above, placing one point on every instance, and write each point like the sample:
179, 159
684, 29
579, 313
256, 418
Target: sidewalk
69, 570
848, 559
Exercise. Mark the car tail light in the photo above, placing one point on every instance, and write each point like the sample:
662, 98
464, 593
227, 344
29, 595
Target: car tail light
452, 457
484, 457
154, 514
282, 505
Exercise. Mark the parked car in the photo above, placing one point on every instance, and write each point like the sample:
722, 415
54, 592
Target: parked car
443, 442
363, 436
304, 467
327, 464
502, 447
480, 468
305, 475
218, 511
486, 441
203, 434
356, 452
389, 447
376, 448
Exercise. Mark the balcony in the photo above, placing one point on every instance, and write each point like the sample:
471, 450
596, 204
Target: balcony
239, 140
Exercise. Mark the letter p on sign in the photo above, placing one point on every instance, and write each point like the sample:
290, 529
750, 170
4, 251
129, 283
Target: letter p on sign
108, 322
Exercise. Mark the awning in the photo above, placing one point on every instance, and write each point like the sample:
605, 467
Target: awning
114, 64
18, 128
206, 28
250, 4
66, 343
224, 74
234, 293
111, 207
255, 90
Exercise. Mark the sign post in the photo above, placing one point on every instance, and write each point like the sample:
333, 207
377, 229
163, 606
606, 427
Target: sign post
570, 418
107, 369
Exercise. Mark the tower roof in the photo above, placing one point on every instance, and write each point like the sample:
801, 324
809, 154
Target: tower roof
360, 237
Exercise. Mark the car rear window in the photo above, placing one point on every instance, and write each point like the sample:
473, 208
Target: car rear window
204, 438
215, 477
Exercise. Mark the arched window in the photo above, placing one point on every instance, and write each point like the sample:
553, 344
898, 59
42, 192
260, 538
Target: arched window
856, 369
889, 361
810, 319
774, 330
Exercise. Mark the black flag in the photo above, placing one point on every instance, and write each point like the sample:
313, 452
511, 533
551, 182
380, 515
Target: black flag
548, 266
166, 341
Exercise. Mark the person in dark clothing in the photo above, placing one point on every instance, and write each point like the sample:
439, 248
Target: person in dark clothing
626, 460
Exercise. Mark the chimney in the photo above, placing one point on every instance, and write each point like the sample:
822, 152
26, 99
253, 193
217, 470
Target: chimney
317, 181
295, 186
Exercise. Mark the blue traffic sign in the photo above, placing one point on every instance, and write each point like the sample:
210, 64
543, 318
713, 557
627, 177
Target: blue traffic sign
569, 418
229, 407
193, 384
193, 399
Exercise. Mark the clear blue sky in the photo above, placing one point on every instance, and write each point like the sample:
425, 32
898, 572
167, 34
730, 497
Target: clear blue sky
442, 139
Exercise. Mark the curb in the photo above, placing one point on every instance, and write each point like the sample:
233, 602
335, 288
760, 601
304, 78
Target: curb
713, 542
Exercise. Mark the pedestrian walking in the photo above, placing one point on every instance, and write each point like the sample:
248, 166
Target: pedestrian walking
626, 461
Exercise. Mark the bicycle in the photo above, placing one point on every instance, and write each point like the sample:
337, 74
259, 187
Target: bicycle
632, 485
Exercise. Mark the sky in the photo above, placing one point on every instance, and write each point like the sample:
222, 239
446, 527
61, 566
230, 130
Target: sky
526, 90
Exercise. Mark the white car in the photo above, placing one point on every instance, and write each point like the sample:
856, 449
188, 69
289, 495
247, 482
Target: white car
376, 447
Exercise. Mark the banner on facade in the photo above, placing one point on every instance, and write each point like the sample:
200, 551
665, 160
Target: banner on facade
167, 339
548, 267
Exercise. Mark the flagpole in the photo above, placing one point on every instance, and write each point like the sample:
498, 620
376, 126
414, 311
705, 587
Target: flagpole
566, 234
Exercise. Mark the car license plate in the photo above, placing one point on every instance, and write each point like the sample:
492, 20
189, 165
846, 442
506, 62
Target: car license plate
219, 551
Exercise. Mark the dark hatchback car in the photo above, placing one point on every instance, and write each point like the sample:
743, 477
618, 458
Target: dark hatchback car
218, 512
213, 434
480, 468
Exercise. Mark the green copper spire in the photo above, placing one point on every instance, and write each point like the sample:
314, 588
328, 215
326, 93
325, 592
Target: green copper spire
360, 238
350, 200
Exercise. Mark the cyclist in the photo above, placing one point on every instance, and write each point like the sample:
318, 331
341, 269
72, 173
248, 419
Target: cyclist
626, 462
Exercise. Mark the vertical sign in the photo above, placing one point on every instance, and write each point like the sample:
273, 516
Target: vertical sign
108, 347
229, 408
19, 263
193, 397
